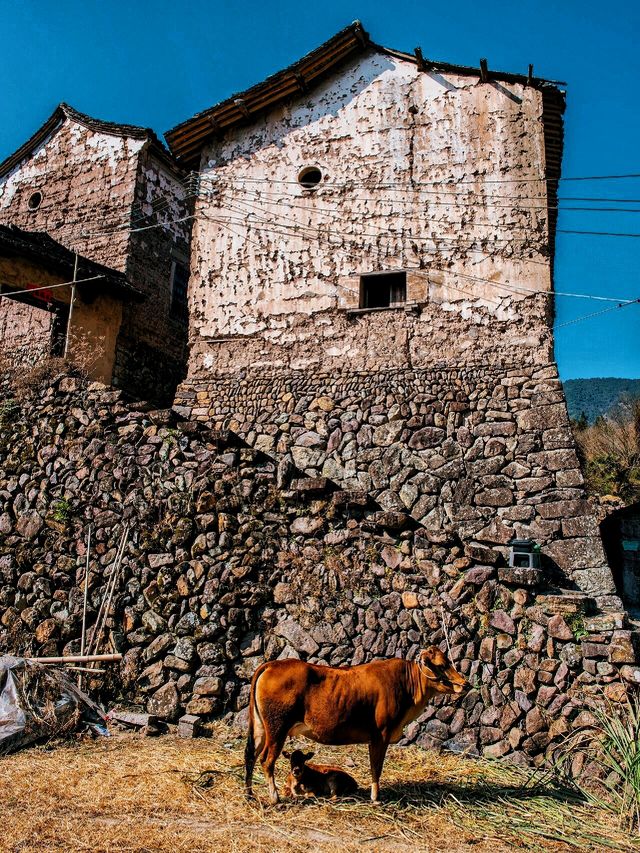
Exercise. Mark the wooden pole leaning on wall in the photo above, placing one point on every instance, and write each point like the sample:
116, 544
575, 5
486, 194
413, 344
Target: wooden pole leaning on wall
73, 299
76, 659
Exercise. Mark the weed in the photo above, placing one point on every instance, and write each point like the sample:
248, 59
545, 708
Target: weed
614, 747
575, 621
62, 511
9, 410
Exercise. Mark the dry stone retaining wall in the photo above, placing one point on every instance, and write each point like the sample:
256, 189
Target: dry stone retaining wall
481, 454
235, 557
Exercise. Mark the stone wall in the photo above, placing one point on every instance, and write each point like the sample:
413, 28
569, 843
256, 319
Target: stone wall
479, 453
235, 556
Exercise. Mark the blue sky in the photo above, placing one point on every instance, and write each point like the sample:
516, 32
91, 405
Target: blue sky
156, 63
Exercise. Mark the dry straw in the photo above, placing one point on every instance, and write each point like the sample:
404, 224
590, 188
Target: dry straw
129, 794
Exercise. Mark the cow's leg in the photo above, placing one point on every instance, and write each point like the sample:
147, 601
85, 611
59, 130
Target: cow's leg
268, 759
377, 751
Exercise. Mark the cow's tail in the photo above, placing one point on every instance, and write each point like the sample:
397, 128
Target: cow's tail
250, 748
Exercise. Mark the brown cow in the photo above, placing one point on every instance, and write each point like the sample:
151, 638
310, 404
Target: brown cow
317, 780
370, 703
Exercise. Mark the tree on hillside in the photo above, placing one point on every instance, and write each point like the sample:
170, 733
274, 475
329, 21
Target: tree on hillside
610, 451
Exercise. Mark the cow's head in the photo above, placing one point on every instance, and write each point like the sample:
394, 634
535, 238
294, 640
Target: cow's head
439, 672
298, 759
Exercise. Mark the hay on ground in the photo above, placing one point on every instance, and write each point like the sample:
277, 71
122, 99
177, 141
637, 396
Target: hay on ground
166, 795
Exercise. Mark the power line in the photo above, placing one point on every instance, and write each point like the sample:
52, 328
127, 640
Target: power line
440, 238
485, 299
459, 222
214, 179
513, 288
443, 182
13, 293
598, 313
311, 208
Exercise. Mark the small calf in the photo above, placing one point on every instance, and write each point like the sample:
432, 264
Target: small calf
317, 780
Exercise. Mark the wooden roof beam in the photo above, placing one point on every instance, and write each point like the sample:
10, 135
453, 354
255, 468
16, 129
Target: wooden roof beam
422, 65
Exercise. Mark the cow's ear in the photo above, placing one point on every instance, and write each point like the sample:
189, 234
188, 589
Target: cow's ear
308, 756
432, 653
425, 663
286, 754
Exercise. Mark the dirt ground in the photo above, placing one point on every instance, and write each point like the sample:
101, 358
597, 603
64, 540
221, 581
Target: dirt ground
167, 795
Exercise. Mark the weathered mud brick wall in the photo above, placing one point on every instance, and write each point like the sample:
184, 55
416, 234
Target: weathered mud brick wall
234, 558
87, 183
25, 332
428, 173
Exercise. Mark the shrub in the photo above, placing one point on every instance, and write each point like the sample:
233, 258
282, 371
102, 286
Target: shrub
613, 748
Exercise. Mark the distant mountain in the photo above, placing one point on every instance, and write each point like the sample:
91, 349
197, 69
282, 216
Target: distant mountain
597, 397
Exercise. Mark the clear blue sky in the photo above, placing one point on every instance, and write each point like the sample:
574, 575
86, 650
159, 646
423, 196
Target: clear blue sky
156, 63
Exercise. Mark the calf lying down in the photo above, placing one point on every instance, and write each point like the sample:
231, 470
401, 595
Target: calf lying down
317, 780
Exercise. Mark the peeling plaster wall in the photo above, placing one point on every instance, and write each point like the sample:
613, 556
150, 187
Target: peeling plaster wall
279, 263
93, 182
87, 181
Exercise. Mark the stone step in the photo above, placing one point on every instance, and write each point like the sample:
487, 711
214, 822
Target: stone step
566, 602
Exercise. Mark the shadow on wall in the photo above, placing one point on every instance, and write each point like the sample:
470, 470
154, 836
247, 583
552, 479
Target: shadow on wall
361, 74
621, 539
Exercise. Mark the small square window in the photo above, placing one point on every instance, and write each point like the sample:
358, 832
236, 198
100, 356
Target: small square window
383, 289
179, 287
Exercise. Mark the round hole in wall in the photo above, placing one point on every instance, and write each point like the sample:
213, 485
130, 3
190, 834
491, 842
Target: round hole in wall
309, 177
34, 200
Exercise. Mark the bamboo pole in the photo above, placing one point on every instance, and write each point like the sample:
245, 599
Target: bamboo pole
86, 592
103, 613
76, 659
84, 605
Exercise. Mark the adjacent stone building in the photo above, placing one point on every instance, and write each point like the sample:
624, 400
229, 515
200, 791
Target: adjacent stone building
113, 194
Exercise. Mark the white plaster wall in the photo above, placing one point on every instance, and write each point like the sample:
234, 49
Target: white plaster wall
87, 180
265, 253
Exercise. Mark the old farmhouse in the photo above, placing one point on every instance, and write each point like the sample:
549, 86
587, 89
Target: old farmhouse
371, 291
112, 194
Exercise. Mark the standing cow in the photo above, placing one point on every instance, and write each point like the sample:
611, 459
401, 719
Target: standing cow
370, 703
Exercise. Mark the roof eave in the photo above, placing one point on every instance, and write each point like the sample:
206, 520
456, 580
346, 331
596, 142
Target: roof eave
64, 111
186, 139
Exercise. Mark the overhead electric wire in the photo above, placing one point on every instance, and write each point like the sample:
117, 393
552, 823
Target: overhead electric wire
598, 313
501, 285
476, 296
445, 182
483, 203
10, 294
351, 291
495, 242
635, 235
